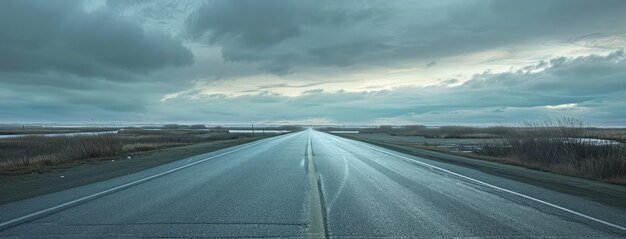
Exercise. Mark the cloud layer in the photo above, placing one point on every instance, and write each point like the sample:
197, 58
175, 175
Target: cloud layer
280, 36
345, 62
59, 36
576, 87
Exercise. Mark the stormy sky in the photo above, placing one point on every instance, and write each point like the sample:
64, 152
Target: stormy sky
480, 62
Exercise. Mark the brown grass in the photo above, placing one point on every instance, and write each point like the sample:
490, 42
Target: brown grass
581, 130
39, 151
13, 130
434, 132
562, 146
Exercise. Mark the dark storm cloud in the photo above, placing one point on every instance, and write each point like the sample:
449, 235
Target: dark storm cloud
58, 36
470, 26
262, 24
282, 35
279, 33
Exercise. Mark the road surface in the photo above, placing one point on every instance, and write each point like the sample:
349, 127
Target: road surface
309, 184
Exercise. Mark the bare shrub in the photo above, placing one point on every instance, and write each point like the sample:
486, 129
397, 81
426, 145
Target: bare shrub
41, 150
437, 132
197, 126
38, 151
562, 143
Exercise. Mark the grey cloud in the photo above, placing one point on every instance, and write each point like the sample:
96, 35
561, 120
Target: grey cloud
589, 76
60, 63
53, 104
314, 91
259, 25
271, 87
58, 36
281, 36
278, 34
594, 83
267, 88
248, 24
449, 81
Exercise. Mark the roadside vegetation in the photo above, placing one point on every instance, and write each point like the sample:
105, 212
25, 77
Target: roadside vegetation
34, 152
30, 129
566, 146
461, 132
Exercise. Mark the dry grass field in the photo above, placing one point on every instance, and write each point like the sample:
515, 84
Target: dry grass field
34, 151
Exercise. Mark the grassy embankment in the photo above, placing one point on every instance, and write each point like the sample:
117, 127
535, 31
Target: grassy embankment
563, 146
36, 153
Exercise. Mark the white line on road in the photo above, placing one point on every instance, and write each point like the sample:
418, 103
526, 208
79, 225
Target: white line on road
34, 215
499, 188
344, 179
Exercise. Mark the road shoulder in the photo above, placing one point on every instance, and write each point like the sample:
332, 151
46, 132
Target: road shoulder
605, 193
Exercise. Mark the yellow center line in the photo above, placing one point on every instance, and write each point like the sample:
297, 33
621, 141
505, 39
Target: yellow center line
317, 227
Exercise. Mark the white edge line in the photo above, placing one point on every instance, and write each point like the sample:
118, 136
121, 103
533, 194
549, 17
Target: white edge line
499, 188
85, 198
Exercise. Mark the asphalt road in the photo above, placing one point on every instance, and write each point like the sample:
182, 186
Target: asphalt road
309, 184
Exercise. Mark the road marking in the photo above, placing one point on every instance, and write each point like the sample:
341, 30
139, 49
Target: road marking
317, 227
32, 216
499, 188
346, 172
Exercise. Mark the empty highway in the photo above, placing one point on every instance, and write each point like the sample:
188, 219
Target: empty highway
309, 184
